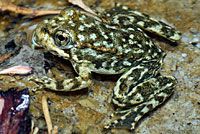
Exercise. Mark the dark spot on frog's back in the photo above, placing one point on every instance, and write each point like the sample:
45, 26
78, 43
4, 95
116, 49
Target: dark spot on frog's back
44, 29
122, 19
98, 64
150, 24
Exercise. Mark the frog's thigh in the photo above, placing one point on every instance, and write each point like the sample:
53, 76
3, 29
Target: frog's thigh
129, 117
126, 85
77, 83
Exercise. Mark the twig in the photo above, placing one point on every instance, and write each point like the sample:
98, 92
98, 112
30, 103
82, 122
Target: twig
36, 130
32, 127
46, 114
7, 6
55, 130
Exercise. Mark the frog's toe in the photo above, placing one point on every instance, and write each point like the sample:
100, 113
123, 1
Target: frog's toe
120, 123
127, 119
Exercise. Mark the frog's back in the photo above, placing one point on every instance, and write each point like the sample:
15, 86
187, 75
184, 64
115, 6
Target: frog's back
110, 48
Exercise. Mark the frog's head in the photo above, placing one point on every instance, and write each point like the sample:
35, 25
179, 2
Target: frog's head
55, 35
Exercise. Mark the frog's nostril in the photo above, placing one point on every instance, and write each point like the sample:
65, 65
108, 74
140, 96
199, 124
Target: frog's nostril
44, 29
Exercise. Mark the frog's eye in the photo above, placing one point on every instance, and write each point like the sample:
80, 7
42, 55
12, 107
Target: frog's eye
61, 38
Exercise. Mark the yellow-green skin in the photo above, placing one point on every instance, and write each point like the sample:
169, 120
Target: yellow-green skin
116, 45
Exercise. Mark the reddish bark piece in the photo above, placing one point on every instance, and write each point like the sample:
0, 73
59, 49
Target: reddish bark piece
14, 116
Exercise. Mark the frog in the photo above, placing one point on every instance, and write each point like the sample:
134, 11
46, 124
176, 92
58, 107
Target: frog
114, 43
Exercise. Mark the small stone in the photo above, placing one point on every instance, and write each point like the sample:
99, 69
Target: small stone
184, 54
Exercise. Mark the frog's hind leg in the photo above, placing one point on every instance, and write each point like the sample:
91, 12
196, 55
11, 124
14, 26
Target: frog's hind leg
125, 16
141, 97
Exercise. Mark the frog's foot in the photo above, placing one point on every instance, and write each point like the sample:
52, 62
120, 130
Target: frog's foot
128, 117
77, 83
45, 82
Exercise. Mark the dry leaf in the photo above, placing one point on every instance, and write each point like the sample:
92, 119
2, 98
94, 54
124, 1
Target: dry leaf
16, 70
82, 5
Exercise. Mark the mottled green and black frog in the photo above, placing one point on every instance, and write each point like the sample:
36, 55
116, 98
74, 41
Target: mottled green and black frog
116, 44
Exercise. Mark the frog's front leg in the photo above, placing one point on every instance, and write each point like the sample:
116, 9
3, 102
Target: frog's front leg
137, 92
77, 83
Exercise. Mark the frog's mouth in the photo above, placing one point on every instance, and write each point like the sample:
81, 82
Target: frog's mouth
35, 44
